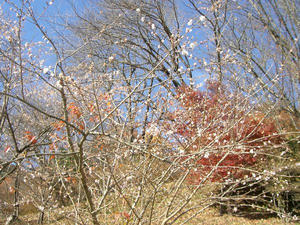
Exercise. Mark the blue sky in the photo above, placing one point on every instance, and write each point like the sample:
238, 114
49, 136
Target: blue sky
51, 13
45, 11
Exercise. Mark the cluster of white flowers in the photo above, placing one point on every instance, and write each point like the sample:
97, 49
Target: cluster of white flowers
180, 69
169, 132
188, 30
153, 130
206, 155
181, 151
184, 52
46, 70
193, 45
111, 58
202, 18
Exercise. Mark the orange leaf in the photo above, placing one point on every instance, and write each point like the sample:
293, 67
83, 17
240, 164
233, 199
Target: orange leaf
126, 215
74, 110
68, 179
58, 125
81, 126
74, 181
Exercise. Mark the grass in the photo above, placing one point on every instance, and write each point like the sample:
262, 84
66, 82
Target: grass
115, 206
210, 216
113, 213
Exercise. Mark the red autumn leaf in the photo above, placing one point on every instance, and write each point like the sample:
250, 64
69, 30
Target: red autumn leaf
7, 149
213, 110
126, 215
91, 107
30, 137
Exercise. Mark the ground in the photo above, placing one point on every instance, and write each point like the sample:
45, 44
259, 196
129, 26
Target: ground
207, 217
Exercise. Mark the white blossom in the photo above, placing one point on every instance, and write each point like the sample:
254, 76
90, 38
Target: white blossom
153, 130
181, 151
45, 70
188, 30
202, 18
110, 59
129, 178
58, 85
190, 22
170, 132
206, 155
184, 52
193, 45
